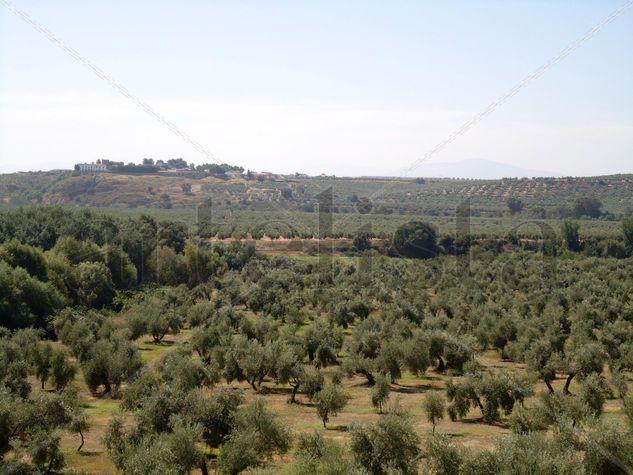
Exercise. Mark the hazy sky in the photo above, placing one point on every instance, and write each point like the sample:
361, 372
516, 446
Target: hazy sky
349, 88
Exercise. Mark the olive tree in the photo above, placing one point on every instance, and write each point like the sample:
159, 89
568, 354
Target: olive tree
109, 363
416, 239
391, 445
256, 436
380, 391
330, 401
434, 406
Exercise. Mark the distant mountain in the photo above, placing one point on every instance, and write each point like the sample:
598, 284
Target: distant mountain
479, 169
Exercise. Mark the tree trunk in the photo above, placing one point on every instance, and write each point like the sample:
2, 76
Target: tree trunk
50, 465
253, 385
293, 396
203, 467
568, 382
81, 434
480, 405
107, 387
370, 377
549, 387
440, 366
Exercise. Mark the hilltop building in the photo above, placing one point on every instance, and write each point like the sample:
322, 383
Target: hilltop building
91, 167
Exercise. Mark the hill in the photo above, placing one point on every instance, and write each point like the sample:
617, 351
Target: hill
480, 169
297, 192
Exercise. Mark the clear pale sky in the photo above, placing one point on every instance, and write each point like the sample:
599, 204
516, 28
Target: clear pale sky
350, 88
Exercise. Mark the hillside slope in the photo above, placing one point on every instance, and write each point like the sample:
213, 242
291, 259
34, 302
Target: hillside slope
434, 196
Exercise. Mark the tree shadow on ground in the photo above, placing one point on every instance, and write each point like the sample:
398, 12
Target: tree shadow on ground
480, 420
274, 390
89, 453
406, 389
160, 343
339, 428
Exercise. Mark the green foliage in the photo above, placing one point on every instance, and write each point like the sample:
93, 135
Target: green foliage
524, 421
416, 239
317, 455
515, 205
154, 316
570, 235
249, 360
80, 329
289, 368
329, 401
533, 452
557, 315
173, 235
166, 267
92, 285
110, 362
256, 436
312, 383
628, 408
30, 258
391, 445
582, 358
593, 393
45, 452
202, 264
380, 391
434, 407
33, 428
443, 456
322, 343
24, 300
62, 371
216, 413
361, 242
608, 450
174, 453
14, 367
239, 453
88, 274
542, 359
489, 392
627, 230
561, 410
417, 355
41, 360
587, 207
122, 271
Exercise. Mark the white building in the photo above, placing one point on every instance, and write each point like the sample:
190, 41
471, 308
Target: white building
91, 167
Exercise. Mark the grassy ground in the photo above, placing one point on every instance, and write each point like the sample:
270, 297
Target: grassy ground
409, 393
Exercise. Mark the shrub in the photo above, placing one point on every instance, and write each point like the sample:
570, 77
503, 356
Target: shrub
434, 407
391, 445
416, 239
329, 401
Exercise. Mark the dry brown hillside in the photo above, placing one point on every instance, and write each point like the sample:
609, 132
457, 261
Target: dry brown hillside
129, 190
